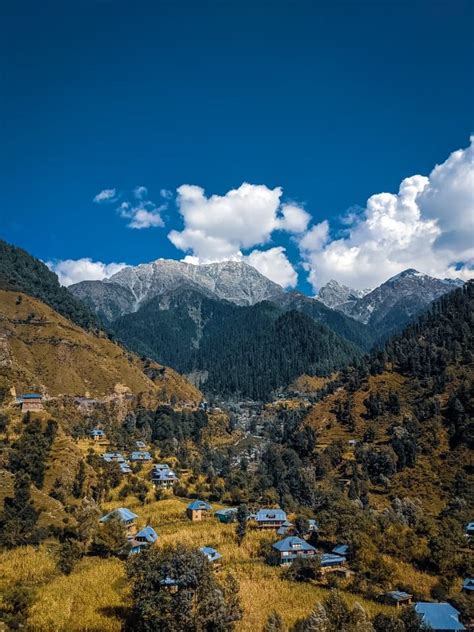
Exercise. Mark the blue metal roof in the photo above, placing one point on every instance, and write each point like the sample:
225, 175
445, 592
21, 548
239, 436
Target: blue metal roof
140, 456
199, 504
341, 549
329, 559
293, 543
267, 515
140, 444
211, 554
125, 468
164, 475
468, 583
148, 533
470, 526
439, 616
32, 396
226, 511
97, 432
399, 595
124, 514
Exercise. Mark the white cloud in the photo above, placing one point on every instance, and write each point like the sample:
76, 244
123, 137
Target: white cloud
219, 227
140, 192
274, 264
107, 195
71, 271
294, 220
142, 218
427, 225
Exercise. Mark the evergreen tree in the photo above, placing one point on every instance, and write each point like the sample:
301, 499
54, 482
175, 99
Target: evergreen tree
241, 527
274, 623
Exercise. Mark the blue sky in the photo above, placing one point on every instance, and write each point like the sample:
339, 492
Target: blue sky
333, 102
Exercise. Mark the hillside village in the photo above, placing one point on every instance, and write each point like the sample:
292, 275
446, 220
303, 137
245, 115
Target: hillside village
346, 497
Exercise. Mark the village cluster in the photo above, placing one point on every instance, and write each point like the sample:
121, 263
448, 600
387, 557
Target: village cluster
440, 617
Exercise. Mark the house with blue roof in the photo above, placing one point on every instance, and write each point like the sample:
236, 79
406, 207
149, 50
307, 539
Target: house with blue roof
198, 510
332, 561
123, 514
469, 530
145, 537
226, 515
270, 518
97, 434
31, 402
341, 549
285, 528
440, 617
212, 555
396, 598
468, 585
313, 525
125, 468
137, 457
140, 445
291, 548
113, 457
163, 477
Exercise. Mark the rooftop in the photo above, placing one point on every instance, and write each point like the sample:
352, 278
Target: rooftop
439, 616
293, 543
270, 514
199, 504
211, 554
147, 533
124, 514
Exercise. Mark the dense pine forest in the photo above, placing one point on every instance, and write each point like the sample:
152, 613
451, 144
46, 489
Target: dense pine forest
20, 272
246, 351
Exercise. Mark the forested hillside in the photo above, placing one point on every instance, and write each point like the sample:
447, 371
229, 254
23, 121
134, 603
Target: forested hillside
21, 272
249, 351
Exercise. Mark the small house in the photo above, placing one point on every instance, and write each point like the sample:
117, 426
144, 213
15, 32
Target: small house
113, 457
341, 549
440, 617
97, 434
137, 457
125, 468
270, 518
468, 585
170, 584
226, 515
163, 478
147, 535
291, 548
198, 510
126, 516
31, 402
332, 561
313, 526
212, 555
396, 598
285, 528
140, 445
469, 530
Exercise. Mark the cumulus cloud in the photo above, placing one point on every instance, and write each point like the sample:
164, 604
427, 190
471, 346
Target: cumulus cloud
219, 227
427, 225
107, 195
275, 265
71, 271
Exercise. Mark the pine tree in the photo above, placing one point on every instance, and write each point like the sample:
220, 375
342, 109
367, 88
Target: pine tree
241, 527
274, 623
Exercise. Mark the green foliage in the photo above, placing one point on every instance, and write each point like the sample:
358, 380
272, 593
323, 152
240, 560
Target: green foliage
196, 601
69, 553
274, 623
244, 350
21, 272
303, 569
110, 538
241, 527
15, 603
19, 518
30, 452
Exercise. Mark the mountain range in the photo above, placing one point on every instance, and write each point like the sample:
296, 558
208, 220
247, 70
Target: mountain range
219, 322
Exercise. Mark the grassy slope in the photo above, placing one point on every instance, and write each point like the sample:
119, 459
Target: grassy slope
51, 352
435, 468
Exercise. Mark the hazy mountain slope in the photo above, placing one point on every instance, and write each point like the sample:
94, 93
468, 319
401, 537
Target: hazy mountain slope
333, 294
412, 412
394, 303
236, 349
41, 350
357, 333
21, 272
233, 281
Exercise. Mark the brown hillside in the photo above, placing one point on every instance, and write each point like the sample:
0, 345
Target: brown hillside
41, 350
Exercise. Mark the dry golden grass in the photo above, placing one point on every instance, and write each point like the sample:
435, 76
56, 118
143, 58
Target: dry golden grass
88, 600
